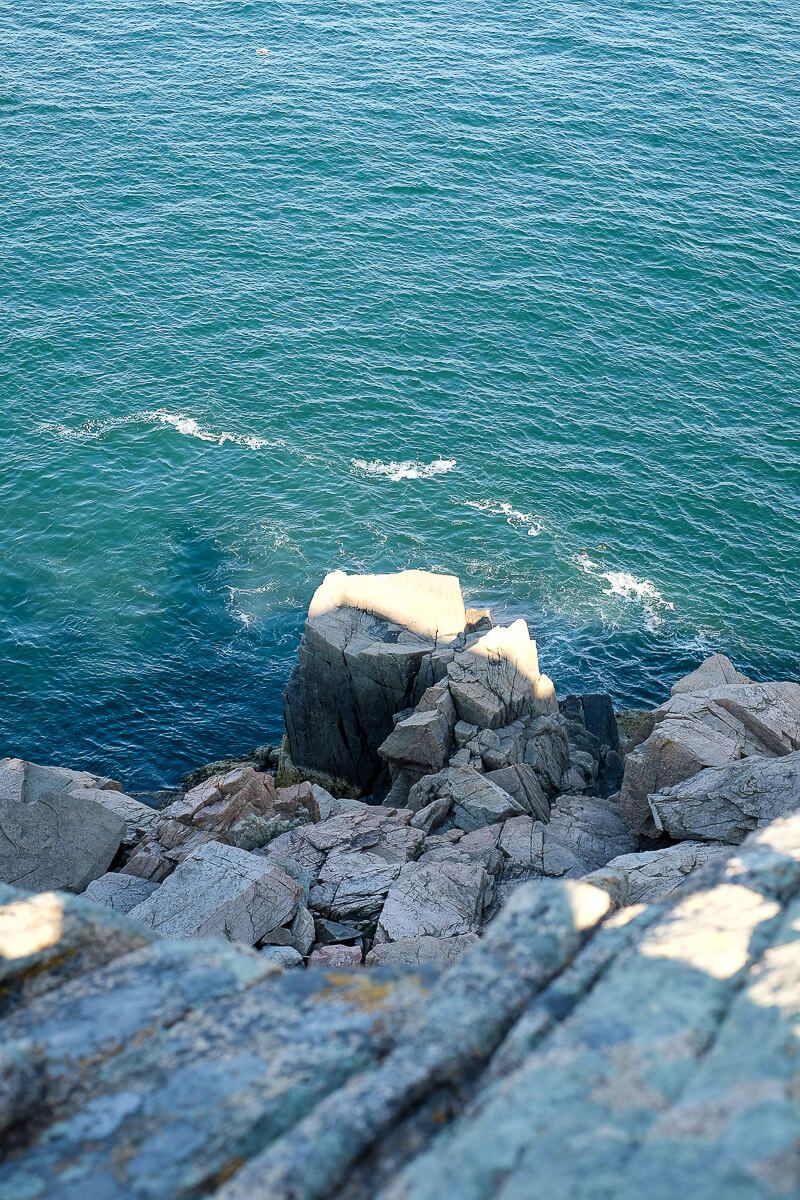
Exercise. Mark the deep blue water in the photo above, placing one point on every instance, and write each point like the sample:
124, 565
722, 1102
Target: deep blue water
509, 290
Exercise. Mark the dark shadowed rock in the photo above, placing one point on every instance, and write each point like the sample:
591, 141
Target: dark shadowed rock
362, 650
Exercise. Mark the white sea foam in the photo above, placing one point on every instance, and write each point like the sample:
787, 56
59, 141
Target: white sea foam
513, 516
628, 587
403, 470
181, 423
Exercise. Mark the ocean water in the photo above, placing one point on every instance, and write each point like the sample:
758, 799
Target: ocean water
508, 290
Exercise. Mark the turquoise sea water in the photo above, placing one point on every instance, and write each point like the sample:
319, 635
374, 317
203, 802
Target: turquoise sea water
509, 290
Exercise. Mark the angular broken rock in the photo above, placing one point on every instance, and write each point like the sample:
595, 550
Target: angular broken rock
119, 891
674, 751
522, 783
352, 886
440, 899
475, 801
139, 818
421, 742
724, 804
439, 951
655, 874
584, 833
54, 834
716, 670
384, 831
708, 723
497, 680
223, 891
336, 956
364, 644
547, 751
432, 814
168, 844
283, 956
244, 808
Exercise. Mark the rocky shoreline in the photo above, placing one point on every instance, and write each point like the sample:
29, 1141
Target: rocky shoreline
531, 943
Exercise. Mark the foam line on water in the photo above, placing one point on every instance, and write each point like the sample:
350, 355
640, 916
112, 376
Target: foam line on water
397, 471
629, 588
182, 424
503, 508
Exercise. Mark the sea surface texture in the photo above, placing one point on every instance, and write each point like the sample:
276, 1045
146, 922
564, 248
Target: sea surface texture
509, 290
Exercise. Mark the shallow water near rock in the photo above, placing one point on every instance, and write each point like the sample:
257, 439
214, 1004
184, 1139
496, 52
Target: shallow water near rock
510, 293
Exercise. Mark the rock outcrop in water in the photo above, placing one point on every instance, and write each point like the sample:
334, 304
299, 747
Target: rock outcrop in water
377, 648
547, 994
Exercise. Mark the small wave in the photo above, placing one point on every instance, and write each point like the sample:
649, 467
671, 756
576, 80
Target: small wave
628, 587
179, 422
403, 470
515, 518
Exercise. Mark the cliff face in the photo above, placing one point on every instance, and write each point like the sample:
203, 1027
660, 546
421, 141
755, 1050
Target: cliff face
598, 992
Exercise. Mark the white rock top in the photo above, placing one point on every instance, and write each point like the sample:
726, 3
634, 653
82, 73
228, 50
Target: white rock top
427, 604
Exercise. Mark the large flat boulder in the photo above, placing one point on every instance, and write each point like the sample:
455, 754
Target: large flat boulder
440, 899
55, 833
724, 804
222, 891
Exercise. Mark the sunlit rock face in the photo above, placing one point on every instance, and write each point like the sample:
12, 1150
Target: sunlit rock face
714, 718
378, 647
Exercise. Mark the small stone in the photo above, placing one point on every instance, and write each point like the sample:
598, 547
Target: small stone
285, 956
336, 956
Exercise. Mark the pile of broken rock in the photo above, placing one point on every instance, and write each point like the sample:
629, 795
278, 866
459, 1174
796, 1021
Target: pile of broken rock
583, 949
466, 778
